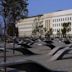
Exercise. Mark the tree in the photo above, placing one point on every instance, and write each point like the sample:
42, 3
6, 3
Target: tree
64, 32
66, 28
34, 32
45, 29
38, 27
58, 33
16, 32
14, 10
49, 33
10, 30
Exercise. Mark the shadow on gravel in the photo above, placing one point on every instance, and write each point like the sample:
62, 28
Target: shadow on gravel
24, 51
51, 46
32, 67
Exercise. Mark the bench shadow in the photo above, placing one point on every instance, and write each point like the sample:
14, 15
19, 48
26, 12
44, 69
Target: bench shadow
32, 67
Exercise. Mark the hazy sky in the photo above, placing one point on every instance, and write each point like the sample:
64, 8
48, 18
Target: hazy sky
44, 6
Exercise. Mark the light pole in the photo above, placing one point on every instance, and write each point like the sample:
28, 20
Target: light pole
4, 16
5, 44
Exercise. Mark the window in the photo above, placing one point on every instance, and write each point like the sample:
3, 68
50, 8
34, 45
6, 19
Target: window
53, 20
59, 30
70, 18
59, 24
59, 19
53, 25
63, 19
55, 30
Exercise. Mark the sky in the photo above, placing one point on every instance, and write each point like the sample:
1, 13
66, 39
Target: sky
1, 21
37, 7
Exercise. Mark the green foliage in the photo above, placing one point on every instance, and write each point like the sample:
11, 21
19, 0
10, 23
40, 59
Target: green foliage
16, 8
34, 32
66, 28
10, 30
45, 29
58, 33
49, 33
66, 25
64, 32
13, 11
37, 29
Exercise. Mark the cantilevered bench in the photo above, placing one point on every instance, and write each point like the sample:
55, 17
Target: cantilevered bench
1, 49
24, 51
60, 53
27, 66
54, 50
24, 45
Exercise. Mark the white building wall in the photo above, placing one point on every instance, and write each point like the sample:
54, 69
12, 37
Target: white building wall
25, 27
52, 20
58, 18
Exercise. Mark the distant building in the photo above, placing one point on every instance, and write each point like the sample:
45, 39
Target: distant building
52, 20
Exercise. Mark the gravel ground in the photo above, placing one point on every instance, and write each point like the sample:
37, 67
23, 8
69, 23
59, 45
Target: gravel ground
64, 64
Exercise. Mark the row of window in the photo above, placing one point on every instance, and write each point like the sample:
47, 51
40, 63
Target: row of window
55, 30
58, 24
62, 19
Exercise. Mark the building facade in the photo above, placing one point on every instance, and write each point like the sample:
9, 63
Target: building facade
52, 20
27, 25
